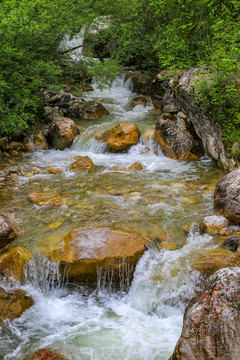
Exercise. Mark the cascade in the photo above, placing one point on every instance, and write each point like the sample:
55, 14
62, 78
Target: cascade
141, 319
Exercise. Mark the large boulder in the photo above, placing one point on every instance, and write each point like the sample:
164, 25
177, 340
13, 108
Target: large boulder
174, 134
7, 230
210, 261
45, 354
121, 137
13, 262
227, 197
13, 303
141, 82
92, 110
86, 251
211, 323
62, 133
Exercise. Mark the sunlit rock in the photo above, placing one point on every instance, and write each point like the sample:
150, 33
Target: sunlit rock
47, 198
13, 303
210, 261
214, 224
135, 167
13, 262
211, 323
174, 135
8, 230
82, 163
121, 137
92, 110
149, 133
62, 133
85, 251
227, 197
40, 140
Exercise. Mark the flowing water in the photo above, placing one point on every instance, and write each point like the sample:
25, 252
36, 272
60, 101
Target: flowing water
142, 319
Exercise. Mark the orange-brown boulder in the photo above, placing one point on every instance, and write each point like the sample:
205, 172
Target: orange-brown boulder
47, 198
13, 262
214, 224
45, 354
7, 230
62, 132
82, 163
135, 167
87, 250
213, 260
92, 110
121, 137
13, 303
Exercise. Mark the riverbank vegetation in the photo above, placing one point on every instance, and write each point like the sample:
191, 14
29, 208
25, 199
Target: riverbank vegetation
150, 34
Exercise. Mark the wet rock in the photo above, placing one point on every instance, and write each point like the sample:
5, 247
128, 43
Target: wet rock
62, 133
227, 197
8, 230
213, 224
54, 171
121, 137
92, 110
149, 133
226, 232
13, 303
168, 245
45, 354
12, 262
87, 250
40, 140
135, 167
175, 136
141, 82
213, 260
47, 198
211, 323
232, 243
83, 163
141, 100
51, 114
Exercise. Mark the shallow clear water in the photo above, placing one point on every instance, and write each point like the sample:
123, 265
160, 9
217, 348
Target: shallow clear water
91, 322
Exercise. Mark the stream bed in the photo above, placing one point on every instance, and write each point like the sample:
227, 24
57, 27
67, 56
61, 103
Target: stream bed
143, 319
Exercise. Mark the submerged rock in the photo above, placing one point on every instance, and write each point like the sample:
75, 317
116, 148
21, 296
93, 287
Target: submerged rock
213, 260
174, 134
62, 133
92, 110
8, 230
121, 137
13, 303
211, 323
227, 197
54, 171
45, 354
13, 262
85, 251
47, 198
214, 224
82, 163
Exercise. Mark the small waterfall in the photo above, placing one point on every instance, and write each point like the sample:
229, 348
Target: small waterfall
43, 275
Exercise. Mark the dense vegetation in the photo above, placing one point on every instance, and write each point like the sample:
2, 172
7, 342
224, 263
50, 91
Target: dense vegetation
152, 34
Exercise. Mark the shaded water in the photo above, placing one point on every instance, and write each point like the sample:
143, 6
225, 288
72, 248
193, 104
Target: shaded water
95, 322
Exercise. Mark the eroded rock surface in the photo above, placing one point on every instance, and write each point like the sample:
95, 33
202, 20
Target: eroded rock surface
174, 134
227, 197
13, 262
121, 137
211, 322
